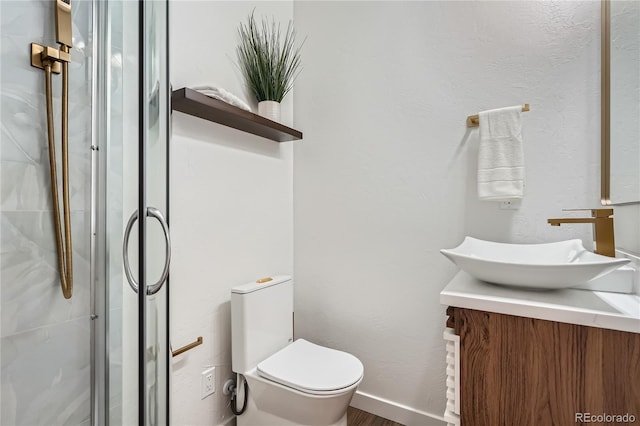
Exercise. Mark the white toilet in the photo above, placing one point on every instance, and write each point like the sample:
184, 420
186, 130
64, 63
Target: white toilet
290, 383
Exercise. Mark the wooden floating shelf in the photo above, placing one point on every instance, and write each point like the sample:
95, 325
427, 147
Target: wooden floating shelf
195, 103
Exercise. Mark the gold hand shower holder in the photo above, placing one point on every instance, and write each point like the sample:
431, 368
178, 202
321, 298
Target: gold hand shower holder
52, 60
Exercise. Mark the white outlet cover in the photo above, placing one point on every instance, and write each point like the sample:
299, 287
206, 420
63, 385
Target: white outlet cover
208, 382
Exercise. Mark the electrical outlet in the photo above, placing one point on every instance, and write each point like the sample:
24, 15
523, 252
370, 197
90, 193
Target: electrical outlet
208, 384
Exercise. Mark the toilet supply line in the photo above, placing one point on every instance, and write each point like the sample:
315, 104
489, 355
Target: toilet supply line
230, 387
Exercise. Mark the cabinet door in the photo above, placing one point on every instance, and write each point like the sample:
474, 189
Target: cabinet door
523, 371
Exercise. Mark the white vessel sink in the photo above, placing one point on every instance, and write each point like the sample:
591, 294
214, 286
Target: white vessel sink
545, 266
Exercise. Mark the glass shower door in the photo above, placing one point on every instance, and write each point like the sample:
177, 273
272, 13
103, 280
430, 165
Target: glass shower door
135, 163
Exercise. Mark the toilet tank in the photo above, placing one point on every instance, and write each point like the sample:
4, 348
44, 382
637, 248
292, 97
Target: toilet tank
261, 321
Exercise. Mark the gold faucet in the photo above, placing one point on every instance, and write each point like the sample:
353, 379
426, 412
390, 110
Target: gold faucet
602, 220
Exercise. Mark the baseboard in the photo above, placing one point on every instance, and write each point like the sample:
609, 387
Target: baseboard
394, 411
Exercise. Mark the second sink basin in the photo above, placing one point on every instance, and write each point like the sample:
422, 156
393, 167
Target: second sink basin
545, 266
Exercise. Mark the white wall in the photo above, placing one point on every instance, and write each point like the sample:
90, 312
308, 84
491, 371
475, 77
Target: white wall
385, 176
627, 227
231, 203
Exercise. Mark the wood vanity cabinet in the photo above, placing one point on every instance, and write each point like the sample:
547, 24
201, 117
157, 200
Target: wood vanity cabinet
529, 372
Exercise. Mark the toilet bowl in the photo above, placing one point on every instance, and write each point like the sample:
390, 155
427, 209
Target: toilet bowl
303, 384
289, 383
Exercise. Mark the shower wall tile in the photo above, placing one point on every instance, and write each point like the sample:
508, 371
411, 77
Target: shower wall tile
30, 294
23, 142
45, 339
23, 117
115, 360
24, 130
22, 90
26, 186
115, 414
115, 231
118, 283
45, 342
46, 375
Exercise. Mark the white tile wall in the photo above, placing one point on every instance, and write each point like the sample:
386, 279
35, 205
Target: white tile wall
44, 359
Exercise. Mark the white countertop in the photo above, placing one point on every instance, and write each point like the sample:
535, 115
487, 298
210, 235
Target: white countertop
615, 311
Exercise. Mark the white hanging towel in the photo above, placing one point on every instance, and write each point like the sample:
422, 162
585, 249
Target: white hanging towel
223, 95
501, 154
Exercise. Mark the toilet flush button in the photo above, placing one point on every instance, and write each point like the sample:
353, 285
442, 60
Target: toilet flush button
264, 280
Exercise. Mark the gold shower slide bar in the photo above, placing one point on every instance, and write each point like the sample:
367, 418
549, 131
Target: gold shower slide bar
474, 120
190, 346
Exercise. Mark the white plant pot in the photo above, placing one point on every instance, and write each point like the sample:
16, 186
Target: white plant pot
270, 110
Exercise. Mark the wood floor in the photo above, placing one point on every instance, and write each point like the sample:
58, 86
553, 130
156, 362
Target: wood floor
357, 417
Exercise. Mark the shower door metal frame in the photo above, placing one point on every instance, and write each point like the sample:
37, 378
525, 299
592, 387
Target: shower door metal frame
99, 302
143, 123
143, 129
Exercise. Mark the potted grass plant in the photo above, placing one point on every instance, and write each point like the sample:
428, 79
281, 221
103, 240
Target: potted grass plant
269, 61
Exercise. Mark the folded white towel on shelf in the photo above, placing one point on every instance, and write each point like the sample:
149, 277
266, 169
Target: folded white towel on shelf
223, 95
501, 154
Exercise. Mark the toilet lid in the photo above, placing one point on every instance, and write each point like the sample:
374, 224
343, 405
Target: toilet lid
311, 368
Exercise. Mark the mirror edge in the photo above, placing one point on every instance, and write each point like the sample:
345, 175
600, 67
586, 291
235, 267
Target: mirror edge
605, 140
605, 108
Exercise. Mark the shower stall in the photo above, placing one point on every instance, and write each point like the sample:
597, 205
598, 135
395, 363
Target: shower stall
99, 354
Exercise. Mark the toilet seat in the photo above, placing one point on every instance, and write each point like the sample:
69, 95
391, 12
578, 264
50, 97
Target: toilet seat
311, 368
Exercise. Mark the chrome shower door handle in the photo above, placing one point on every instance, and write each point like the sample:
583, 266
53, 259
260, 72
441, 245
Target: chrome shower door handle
152, 289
